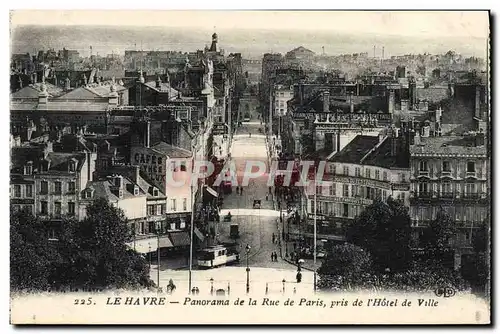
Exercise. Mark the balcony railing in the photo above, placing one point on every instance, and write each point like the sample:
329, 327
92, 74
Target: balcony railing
448, 194
423, 172
470, 174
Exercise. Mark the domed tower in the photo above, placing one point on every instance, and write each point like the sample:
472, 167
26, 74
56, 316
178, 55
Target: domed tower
213, 47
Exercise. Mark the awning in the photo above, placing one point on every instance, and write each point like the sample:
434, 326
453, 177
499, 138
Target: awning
212, 192
180, 239
199, 234
144, 246
165, 242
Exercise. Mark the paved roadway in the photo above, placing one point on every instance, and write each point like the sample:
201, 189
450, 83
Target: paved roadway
256, 230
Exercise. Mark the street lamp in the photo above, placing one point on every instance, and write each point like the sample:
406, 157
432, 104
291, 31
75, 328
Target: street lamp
247, 248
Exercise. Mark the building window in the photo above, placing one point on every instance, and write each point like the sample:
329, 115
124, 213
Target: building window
354, 190
29, 190
423, 188
72, 166
159, 209
44, 187
385, 176
71, 187
333, 169
57, 208
333, 189
423, 166
71, 208
155, 192
446, 166
345, 190
44, 207
174, 204
183, 167
136, 191
318, 190
470, 188
57, 188
403, 177
368, 173
184, 204
17, 190
377, 174
471, 167
346, 170
151, 210
357, 172
446, 189
345, 212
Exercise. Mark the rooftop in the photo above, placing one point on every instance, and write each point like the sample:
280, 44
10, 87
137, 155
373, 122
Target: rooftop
164, 87
171, 151
60, 105
448, 145
32, 91
102, 189
356, 149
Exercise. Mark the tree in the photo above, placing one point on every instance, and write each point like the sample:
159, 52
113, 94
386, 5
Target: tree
91, 254
29, 252
384, 230
103, 252
437, 237
345, 260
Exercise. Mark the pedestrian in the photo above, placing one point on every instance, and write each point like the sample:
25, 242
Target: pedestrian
267, 197
272, 257
274, 238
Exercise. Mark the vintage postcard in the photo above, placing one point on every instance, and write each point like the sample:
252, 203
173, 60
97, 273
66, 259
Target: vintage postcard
226, 167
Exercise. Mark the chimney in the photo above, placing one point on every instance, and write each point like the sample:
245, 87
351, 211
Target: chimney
404, 105
326, 101
439, 114
426, 130
381, 137
477, 104
158, 83
147, 134
392, 100
67, 84
113, 96
394, 141
43, 96
451, 90
479, 139
416, 139
137, 170
351, 103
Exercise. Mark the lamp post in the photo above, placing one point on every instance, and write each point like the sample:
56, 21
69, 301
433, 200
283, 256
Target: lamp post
158, 253
247, 248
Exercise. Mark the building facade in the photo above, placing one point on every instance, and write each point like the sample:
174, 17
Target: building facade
450, 173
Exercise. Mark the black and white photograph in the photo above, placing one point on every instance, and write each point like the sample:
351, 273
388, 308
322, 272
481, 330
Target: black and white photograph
250, 167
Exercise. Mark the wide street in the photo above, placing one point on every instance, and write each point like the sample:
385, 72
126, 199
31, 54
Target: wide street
256, 227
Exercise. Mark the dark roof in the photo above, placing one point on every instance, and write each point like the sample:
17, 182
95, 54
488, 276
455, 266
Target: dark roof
102, 189
383, 157
164, 87
59, 162
33, 90
450, 145
356, 149
171, 151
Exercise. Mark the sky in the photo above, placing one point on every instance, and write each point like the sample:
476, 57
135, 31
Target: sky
418, 24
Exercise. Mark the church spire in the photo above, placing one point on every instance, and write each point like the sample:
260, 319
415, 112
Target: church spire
213, 47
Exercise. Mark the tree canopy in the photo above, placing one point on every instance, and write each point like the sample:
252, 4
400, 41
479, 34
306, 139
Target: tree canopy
384, 230
91, 254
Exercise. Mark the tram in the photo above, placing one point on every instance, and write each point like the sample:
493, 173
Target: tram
218, 255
